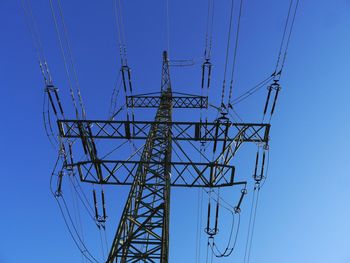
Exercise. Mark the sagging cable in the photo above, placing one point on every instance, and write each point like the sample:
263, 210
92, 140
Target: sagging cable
230, 247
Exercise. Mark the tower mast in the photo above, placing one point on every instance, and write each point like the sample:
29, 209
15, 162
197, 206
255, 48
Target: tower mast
143, 232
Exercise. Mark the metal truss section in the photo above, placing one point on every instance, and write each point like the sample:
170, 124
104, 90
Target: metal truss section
189, 101
197, 131
184, 174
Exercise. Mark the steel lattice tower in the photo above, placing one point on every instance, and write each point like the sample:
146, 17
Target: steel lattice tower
143, 231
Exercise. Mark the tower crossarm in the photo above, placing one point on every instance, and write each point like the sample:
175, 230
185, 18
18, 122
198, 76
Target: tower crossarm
184, 174
153, 101
195, 131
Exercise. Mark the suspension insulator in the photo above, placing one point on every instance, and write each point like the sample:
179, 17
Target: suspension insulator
256, 164
51, 100
70, 152
126, 77
208, 220
127, 127
217, 124
209, 76
103, 205
225, 137
278, 88
262, 166
273, 87
216, 218
129, 78
123, 77
59, 185
237, 208
203, 70
258, 177
54, 100
206, 74
267, 99
212, 231
95, 205
58, 101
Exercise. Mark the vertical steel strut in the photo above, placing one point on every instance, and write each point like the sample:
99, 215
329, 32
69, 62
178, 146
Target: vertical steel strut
143, 231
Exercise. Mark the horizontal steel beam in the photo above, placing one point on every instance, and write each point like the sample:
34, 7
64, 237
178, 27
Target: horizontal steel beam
183, 174
147, 101
196, 131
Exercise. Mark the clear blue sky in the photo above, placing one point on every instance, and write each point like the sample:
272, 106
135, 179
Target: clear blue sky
304, 208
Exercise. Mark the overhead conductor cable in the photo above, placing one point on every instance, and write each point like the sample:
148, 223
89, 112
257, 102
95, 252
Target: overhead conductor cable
227, 55
235, 53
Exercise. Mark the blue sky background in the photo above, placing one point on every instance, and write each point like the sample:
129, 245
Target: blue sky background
303, 214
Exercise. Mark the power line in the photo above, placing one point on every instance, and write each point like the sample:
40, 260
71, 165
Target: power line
64, 58
209, 30
74, 234
70, 56
253, 225
47, 123
27, 8
246, 251
229, 249
227, 53
290, 34
235, 51
251, 91
288, 29
120, 31
168, 25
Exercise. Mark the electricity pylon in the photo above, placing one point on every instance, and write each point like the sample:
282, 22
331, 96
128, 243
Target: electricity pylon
143, 232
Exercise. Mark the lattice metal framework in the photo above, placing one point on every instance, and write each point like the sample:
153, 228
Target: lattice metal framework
139, 130
143, 231
153, 101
